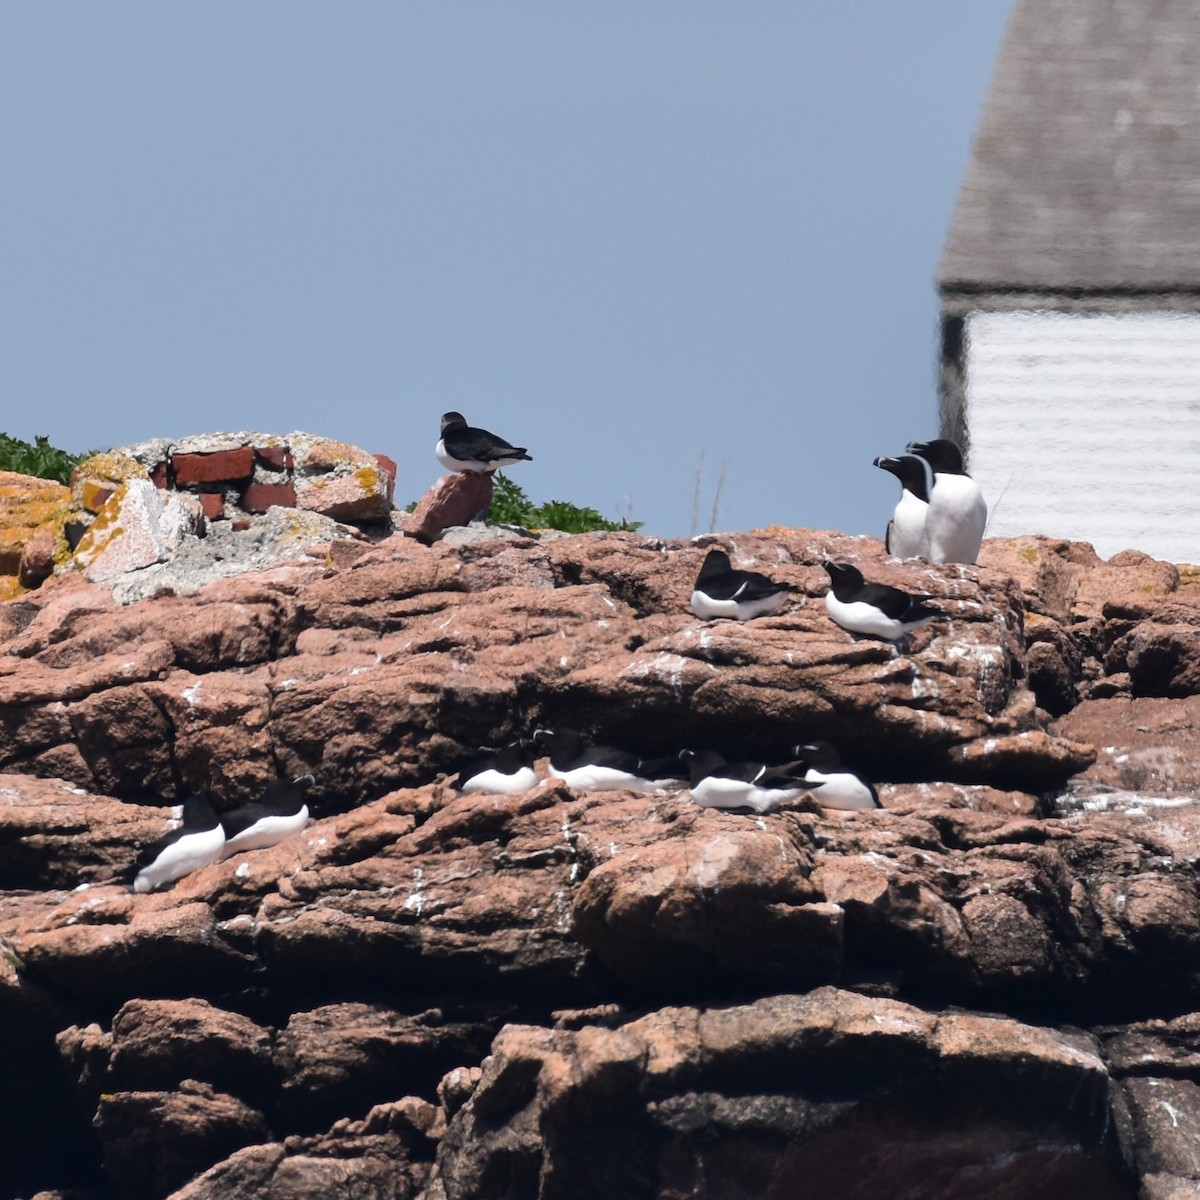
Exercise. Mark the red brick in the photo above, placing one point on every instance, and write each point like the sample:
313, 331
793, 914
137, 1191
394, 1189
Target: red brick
258, 497
212, 504
240, 525
388, 465
222, 466
161, 475
276, 458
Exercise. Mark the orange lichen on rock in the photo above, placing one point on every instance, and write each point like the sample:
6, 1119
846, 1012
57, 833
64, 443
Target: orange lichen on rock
28, 505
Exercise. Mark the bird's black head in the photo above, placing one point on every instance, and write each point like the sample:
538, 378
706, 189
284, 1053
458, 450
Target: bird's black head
549, 739
821, 756
910, 470
941, 454
453, 420
716, 562
700, 762
843, 573
517, 753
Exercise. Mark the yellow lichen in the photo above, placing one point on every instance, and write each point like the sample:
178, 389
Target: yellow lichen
368, 479
105, 470
1028, 554
103, 529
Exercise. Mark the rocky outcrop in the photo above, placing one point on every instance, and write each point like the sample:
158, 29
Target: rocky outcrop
986, 987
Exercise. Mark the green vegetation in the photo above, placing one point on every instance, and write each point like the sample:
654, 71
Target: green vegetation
41, 459
511, 506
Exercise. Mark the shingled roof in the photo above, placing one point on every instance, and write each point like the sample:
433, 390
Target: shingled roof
1085, 172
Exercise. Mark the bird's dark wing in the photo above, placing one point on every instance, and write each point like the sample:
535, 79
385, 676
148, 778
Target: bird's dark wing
478, 445
892, 602
240, 819
887, 537
740, 585
607, 756
743, 772
755, 586
667, 767
785, 773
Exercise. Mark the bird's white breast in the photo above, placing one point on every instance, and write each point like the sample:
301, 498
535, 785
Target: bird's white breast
183, 856
499, 784
908, 536
956, 520
840, 789
859, 617
267, 831
602, 779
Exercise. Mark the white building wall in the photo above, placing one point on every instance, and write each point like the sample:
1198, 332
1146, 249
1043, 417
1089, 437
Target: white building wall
1088, 427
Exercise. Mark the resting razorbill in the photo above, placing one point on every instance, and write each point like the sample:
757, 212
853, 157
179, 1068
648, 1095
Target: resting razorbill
714, 783
509, 770
195, 844
906, 536
722, 591
465, 448
874, 609
601, 768
957, 513
280, 813
840, 788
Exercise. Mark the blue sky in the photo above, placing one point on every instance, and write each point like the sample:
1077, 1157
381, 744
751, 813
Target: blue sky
623, 234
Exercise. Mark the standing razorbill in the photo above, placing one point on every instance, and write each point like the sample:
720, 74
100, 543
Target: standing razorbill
509, 770
906, 536
280, 813
957, 513
196, 843
715, 783
840, 788
722, 591
465, 448
872, 608
601, 768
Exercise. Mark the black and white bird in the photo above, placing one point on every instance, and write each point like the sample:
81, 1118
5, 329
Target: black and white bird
715, 783
509, 770
280, 813
197, 843
839, 788
722, 591
906, 536
462, 447
874, 609
603, 768
957, 513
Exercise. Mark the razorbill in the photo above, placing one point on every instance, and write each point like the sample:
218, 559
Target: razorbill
602, 768
722, 591
510, 769
280, 813
195, 844
871, 608
906, 537
465, 448
715, 783
957, 513
840, 788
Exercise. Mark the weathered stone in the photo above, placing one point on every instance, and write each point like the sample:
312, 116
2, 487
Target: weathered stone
126, 535
37, 556
742, 1097
27, 507
453, 500
362, 495
156, 1141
